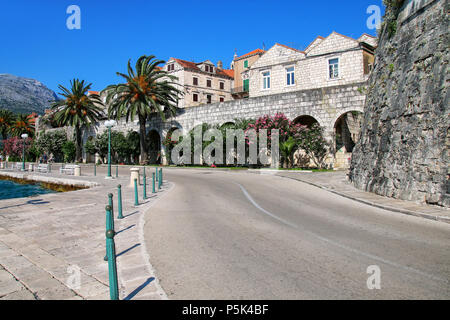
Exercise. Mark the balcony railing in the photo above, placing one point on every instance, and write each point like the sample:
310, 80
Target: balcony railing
239, 90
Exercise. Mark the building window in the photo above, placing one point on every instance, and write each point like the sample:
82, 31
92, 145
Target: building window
171, 67
208, 98
266, 80
195, 97
290, 76
209, 68
195, 81
246, 64
222, 99
333, 68
208, 83
246, 85
222, 86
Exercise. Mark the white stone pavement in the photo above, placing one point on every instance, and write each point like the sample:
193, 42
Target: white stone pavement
41, 237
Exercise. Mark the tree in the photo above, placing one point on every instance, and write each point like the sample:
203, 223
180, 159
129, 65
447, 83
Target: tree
77, 109
313, 142
7, 118
52, 143
23, 123
147, 90
287, 150
69, 151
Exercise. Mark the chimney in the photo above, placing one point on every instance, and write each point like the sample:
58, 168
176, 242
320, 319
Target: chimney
219, 64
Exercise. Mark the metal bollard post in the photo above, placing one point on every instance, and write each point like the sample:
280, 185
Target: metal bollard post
109, 224
112, 266
119, 200
117, 171
159, 181
153, 183
161, 176
136, 201
95, 170
145, 185
49, 167
156, 173
111, 203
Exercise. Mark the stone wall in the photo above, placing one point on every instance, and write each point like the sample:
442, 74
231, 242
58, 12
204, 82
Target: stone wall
326, 105
403, 149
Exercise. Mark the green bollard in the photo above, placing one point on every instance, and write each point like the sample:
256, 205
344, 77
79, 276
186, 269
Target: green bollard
153, 183
117, 171
119, 200
136, 201
112, 266
145, 186
49, 167
160, 176
95, 170
109, 224
156, 172
111, 203
159, 182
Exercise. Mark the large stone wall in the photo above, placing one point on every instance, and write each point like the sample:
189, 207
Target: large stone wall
326, 105
403, 149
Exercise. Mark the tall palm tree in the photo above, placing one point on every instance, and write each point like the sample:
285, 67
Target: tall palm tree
147, 90
23, 123
77, 109
6, 120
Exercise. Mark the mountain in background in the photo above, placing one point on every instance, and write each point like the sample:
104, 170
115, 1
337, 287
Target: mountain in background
22, 95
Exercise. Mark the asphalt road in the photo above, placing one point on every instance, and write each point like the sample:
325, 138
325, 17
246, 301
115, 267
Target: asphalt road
238, 235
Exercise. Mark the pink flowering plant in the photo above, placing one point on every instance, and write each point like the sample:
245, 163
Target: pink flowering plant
13, 147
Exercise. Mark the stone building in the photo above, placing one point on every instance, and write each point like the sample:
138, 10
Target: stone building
240, 65
403, 149
202, 83
331, 61
327, 62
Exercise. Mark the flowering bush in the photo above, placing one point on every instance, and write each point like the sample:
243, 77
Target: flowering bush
286, 127
13, 147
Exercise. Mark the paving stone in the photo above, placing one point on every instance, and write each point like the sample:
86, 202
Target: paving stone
22, 294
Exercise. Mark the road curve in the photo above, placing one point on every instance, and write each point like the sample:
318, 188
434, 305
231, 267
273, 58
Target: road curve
239, 235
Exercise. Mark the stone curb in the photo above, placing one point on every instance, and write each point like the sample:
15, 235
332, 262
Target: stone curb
49, 179
377, 205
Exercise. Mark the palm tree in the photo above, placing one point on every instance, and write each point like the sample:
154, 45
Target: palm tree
77, 109
6, 120
287, 150
148, 90
23, 123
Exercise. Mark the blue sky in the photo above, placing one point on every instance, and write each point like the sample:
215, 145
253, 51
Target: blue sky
36, 43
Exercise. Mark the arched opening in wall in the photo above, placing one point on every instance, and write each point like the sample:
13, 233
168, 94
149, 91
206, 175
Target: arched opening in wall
133, 140
89, 148
154, 147
300, 158
227, 125
169, 144
306, 121
346, 131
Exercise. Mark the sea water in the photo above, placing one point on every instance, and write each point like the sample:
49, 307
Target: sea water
9, 190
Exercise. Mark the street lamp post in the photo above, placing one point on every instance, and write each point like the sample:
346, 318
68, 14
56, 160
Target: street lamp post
109, 124
24, 136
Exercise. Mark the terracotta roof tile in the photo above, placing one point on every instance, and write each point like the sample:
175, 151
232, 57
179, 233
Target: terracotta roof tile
193, 66
250, 53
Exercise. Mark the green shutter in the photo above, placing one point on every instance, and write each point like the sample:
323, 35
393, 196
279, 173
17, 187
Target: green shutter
246, 85
246, 64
